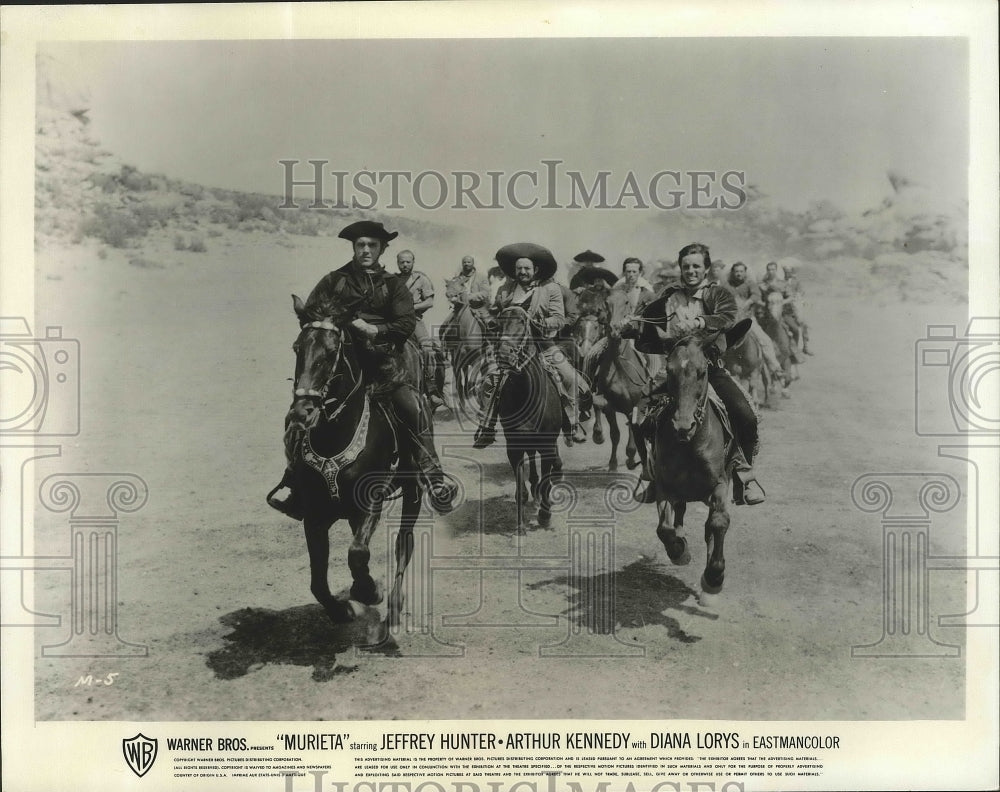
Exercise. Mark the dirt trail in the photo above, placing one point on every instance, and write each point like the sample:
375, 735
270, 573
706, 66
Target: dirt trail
183, 371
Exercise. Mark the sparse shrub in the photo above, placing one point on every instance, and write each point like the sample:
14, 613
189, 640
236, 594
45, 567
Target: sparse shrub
102, 253
197, 244
180, 243
116, 227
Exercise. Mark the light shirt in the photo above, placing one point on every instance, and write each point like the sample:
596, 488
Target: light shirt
684, 306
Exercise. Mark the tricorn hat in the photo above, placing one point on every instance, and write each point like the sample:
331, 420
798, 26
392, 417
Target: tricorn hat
367, 228
588, 256
545, 262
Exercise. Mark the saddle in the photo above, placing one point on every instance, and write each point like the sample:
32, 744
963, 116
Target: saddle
659, 402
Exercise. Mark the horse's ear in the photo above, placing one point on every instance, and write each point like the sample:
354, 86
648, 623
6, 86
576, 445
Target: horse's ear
710, 338
298, 305
667, 344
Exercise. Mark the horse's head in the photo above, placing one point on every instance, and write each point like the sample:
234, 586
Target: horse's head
453, 287
318, 351
618, 312
514, 337
592, 324
686, 385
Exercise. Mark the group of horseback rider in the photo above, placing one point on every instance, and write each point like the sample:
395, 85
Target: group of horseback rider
388, 309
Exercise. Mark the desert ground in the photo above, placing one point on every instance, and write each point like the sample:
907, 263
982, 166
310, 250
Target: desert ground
184, 365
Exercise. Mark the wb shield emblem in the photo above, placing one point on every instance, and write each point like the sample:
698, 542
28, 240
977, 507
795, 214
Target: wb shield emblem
140, 753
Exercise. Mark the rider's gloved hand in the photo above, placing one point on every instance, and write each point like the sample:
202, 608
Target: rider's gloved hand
629, 331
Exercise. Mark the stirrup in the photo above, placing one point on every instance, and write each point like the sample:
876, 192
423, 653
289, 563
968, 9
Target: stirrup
741, 497
648, 495
290, 506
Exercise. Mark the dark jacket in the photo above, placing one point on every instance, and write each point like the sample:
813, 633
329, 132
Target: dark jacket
379, 298
719, 315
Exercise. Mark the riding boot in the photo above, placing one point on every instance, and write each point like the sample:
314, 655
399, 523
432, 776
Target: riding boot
746, 489
417, 438
486, 431
430, 366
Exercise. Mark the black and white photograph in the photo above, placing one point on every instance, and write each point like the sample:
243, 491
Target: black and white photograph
586, 394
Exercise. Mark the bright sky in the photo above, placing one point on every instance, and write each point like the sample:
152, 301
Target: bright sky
804, 118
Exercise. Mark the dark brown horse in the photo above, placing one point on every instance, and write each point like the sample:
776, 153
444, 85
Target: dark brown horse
464, 341
745, 361
530, 412
343, 447
689, 456
770, 318
619, 373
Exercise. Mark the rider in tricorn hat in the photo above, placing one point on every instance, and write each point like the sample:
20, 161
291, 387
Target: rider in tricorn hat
696, 305
529, 269
383, 319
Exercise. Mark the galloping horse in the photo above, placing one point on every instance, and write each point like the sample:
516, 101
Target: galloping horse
530, 412
770, 318
690, 455
464, 340
619, 373
745, 361
343, 448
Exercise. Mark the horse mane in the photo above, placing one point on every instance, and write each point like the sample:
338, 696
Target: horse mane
591, 299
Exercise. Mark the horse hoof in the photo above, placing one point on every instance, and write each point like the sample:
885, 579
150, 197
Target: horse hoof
711, 582
598, 438
340, 612
544, 518
367, 595
677, 551
631, 464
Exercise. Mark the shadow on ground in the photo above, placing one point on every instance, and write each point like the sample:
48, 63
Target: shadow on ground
302, 636
633, 597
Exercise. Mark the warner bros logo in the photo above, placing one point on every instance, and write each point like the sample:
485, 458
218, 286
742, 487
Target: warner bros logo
140, 753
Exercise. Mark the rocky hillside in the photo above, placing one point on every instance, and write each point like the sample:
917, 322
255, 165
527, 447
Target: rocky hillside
82, 190
911, 247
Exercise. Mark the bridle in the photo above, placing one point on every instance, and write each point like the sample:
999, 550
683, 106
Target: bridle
524, 351
699, 412
321, 396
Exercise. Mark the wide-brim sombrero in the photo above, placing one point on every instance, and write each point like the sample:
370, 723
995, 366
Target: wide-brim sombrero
545, 262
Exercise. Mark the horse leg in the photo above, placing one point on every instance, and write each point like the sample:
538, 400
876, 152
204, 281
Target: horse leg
673, 543
533, 475
404, 550
514, 456
363, 524
631, 451
597, 435
550, 468
318, 542
616, 437
715, 533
